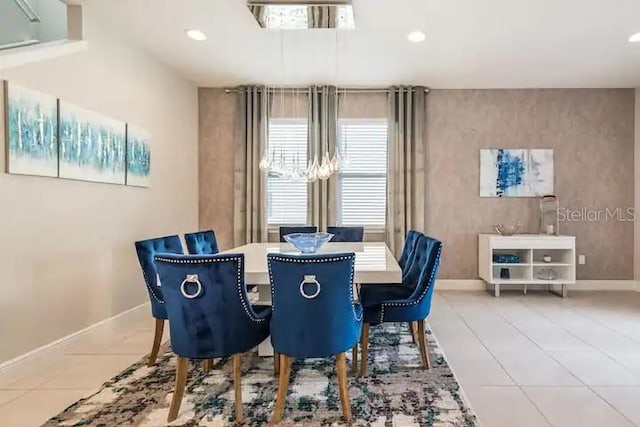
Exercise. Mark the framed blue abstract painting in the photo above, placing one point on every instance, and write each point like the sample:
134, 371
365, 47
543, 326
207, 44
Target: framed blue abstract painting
92, 146
138, 157
516, 172
31, 130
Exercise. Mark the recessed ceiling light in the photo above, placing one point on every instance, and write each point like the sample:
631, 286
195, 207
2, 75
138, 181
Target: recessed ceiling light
196, 35
635, 38
416, 36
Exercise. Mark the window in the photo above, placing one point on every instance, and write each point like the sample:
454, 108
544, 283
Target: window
362, 183
287, 197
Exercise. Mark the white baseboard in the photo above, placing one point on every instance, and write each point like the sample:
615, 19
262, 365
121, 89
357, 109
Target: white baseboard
53, 344
581, 285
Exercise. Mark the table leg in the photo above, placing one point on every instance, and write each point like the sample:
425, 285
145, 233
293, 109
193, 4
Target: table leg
264, 294
265, 349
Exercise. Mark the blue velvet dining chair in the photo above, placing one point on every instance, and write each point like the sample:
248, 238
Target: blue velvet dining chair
202, 243
146, 250
210, 315
410, 272
314, 315
346, 234
302, 229
393, 303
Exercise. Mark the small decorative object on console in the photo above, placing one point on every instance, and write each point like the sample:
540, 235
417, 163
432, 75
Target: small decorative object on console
547, 274
504, 273
506, 258
507, 230
549, 206
546, 258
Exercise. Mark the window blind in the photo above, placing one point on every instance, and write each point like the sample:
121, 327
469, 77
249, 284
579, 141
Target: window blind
287, 197
362, 183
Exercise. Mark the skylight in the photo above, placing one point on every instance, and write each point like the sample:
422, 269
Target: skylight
303, 15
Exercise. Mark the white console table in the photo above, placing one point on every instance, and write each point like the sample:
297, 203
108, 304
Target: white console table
531, 250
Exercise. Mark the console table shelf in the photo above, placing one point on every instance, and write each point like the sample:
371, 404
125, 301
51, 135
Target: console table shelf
531, 250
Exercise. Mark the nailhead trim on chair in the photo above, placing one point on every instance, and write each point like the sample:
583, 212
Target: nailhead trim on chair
243, 300
305, 261
237, 259
417, 300
353, 301
146, 282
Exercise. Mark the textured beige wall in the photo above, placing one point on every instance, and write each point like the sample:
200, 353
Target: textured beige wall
67, 258
218, 113
591, 132
637, 186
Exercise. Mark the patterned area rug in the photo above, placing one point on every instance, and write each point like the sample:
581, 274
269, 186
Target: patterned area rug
396, 392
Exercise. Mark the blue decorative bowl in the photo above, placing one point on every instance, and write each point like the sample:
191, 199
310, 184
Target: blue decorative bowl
308, 243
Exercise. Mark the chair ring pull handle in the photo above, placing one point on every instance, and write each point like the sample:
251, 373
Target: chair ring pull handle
191, 278
309, 279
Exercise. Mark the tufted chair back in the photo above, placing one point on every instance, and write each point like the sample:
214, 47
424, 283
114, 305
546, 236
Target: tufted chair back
346, 234
209, 311
416, 303
314, 312
302, 229
416, 261
409, 245
430, 264
146, 250
202, 243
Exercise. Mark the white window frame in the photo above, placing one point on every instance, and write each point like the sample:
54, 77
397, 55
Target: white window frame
341, 122
272, 227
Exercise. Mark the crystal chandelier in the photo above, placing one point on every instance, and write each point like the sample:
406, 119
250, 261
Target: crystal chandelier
289, 165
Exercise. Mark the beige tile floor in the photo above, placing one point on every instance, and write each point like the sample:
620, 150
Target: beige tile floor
533, 360
539, 360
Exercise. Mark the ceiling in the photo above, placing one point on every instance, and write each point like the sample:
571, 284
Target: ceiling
470, 43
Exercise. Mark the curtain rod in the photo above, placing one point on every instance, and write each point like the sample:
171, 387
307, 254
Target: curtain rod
340, 89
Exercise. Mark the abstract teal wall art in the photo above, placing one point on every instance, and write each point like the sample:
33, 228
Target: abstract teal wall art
516, 172
32, 131
92, 146
138, 157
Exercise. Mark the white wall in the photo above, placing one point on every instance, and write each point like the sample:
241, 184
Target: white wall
67, 258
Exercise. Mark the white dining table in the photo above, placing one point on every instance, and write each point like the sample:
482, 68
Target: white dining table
374, 264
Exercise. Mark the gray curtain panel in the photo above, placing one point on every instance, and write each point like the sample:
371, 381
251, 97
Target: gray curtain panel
406, 158
323, 121
250, 189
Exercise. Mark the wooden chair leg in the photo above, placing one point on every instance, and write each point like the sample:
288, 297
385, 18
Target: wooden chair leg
276, 363
207, 365
422, 341
157, 340
237, 386
341, 367
283, 385
354, 359
182, 367
412, 330
364, 344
